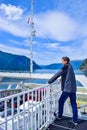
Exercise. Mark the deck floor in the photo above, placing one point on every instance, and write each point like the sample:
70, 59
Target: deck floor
65, 124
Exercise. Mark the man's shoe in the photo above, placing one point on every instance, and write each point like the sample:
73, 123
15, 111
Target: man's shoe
57, 117
74, 123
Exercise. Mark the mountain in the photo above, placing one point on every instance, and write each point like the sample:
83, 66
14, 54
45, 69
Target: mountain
15, 62
75, 63
53, 66
84, 65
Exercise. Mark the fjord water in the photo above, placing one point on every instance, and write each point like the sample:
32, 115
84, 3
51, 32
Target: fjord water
41, 81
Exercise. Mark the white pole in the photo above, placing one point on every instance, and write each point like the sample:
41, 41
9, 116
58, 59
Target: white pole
31, 37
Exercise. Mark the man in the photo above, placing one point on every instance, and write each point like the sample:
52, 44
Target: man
68, 86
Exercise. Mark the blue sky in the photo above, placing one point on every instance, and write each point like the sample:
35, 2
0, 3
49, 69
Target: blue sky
61, 29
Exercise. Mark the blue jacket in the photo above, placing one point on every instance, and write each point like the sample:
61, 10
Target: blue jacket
68, 81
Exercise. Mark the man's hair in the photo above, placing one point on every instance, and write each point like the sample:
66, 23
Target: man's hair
66, 59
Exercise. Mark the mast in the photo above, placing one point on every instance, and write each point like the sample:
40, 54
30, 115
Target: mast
32, 33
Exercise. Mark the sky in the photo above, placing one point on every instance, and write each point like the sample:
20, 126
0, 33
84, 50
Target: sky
61, 29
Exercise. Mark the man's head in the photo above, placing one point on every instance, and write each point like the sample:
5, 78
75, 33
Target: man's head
65, 60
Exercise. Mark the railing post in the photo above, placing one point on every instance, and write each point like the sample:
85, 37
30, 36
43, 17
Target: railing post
6, 115
12, 112
50, 103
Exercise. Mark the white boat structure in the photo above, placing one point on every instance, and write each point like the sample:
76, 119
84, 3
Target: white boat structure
37, 110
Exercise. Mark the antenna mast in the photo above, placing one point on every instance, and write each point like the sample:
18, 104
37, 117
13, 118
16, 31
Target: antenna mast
32, 33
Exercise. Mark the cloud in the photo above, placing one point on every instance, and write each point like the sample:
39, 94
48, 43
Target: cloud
14, 42
11, 12
25, 42
18, 51
16, 29
57, 25
59, 47
48, 56
54, 51
13, 21
53, 46
49, 25
14, 50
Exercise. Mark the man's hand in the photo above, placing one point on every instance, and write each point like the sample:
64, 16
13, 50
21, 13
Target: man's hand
59, 81
47, 83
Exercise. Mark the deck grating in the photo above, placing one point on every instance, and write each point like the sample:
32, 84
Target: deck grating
65, 124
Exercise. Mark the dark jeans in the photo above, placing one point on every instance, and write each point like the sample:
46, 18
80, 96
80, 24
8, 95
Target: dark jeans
62, 100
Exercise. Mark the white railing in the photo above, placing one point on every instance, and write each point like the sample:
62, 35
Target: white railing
33, 109
29, 110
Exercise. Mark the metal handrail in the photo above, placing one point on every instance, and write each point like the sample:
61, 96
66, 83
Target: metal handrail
38, 107
43, 104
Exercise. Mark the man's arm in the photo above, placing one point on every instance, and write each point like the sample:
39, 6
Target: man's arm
58, 74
